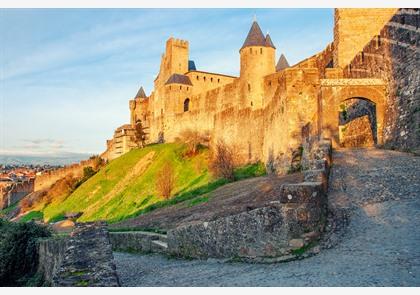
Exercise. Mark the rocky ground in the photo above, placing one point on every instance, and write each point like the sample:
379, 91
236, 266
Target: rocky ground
374, 235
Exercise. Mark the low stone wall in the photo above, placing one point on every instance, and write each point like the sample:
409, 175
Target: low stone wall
284, 229
135, 241
82, 259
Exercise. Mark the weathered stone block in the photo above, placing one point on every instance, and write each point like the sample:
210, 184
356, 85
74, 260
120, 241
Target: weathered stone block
306, 192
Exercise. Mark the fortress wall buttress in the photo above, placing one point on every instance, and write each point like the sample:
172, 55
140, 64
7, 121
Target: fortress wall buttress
290, 117
354, 27
392, 55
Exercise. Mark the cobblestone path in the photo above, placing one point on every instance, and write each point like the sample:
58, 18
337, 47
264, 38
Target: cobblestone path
376, 244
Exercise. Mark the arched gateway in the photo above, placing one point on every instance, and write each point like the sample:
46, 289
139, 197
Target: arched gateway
352, 111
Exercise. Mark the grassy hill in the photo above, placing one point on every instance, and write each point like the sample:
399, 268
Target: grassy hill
127, 184
126, 187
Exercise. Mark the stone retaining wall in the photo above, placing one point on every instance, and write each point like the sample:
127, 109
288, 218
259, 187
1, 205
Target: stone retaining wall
284, 229
140, 242
82, 259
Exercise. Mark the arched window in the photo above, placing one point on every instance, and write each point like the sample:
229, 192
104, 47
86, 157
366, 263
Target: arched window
186, 105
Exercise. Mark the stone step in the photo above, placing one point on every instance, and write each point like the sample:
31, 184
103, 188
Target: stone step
159, 246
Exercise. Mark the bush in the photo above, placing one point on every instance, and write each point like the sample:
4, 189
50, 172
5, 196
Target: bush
222, 162
18, 254
194, 140
165, 181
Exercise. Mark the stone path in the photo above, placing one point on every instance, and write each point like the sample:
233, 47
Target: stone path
378, 190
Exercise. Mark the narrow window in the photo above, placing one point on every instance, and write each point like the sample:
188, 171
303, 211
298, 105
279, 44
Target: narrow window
218, 80
251, 104
249, 87
204, 78
250, 50
211, 79
180, 87
260, 50
197, 78
186, 105
363, 56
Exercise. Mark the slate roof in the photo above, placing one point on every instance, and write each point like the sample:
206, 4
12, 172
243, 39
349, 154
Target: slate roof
191, 66
282, 63
255, 36
141, 93
178, 79
268, 42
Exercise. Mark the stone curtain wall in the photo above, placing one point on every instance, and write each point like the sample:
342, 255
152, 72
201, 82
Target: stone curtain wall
49, 178
83, 259
15, 192
393, 55
283, 230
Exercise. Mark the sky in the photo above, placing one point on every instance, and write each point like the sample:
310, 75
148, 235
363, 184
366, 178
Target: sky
66, 75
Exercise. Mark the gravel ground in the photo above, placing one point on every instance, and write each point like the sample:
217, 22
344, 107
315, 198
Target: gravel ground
378, 190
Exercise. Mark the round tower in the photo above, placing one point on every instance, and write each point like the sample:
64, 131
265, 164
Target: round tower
257, 60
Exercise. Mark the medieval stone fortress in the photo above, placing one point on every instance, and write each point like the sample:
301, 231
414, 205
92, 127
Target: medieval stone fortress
358, 91
338, 138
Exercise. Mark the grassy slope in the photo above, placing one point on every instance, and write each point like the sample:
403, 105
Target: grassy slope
112, 195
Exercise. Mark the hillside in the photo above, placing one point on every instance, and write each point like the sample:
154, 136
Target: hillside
127, 184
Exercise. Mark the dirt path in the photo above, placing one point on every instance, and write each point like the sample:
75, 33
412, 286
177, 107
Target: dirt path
379, 191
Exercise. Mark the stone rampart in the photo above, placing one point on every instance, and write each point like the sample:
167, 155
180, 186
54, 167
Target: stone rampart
15, 192
393, 56
82, 259
49, 178
283, 230
135, 241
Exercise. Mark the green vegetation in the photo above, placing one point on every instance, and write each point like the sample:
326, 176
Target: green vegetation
251, 170
127, 184
33, 215
198, 200
126, 187
6, 211
18, 258
303, 249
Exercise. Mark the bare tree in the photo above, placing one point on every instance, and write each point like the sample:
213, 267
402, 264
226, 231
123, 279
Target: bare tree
193, 139
165, 181
222, 162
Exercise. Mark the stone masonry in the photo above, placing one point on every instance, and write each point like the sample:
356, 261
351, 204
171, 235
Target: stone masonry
268, 111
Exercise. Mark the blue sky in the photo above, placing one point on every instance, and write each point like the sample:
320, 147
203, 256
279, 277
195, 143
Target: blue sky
66, 75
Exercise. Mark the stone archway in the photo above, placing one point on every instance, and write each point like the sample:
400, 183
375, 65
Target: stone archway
338, 92
357, 123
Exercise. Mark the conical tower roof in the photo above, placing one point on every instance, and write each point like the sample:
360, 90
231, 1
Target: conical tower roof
268, 42
141, 93
282, 63
255, 36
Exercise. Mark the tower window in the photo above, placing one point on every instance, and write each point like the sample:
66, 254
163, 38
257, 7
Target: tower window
204, 78
197, 77
260, 50
249, 87
211, 79
180, 87
186, 105
218, 80
250, 50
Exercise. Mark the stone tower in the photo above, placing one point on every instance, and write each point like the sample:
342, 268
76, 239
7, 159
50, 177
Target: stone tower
354, 28
257, 60
174, 61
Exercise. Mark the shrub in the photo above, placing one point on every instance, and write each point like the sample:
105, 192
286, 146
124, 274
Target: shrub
165, 181
193, 139
222, 162
18, 254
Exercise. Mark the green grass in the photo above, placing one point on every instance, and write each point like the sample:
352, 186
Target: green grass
99, 199
118, 191
32, 215
7, 210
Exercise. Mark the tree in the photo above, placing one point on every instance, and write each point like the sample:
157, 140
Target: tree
222, 162
165, 181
